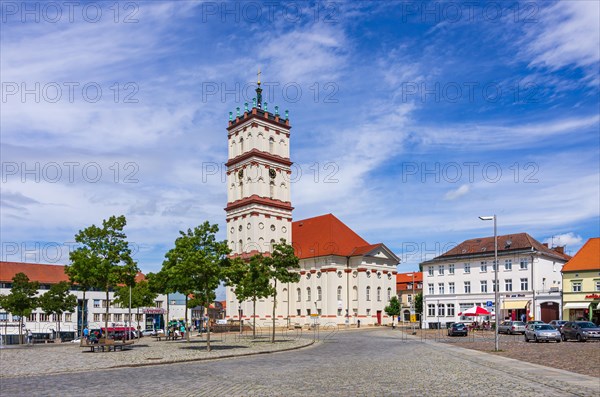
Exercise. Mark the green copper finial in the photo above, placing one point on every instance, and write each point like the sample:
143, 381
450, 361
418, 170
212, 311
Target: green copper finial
266, 110
277, 110
237, 112
245, 106
230, 116
286, 114
253, 102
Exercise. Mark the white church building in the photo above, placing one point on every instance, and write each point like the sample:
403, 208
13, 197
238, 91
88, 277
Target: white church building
343, 278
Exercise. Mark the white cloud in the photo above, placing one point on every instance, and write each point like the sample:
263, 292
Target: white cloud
454, 194
565, 34
569, 239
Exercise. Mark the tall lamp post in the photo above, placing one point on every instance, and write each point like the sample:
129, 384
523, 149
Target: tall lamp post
496, 286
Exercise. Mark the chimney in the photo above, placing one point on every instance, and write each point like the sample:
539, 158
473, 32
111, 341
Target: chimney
560, 250
545, 245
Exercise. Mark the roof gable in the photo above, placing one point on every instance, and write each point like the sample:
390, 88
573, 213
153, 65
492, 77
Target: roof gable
587, 258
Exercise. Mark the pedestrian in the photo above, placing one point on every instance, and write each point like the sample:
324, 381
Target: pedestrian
523, 317
29, 337
86, 334
358, 323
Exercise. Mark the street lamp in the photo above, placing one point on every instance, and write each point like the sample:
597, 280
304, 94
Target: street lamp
496, 292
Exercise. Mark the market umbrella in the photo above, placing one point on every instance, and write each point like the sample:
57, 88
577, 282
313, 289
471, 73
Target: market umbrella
475, 311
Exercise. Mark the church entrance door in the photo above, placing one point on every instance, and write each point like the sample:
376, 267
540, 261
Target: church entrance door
378, 317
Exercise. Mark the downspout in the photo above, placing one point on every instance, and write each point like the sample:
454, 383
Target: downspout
533, 285
347, 292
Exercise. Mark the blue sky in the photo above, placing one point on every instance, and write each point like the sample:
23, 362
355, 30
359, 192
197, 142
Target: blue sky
409, 119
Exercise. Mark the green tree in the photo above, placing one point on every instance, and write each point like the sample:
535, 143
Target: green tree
21, 300
195, 264
141, 296
58, 300
81, 274
159, 283
419, 304
393, 309
256, 284
234, 276
281, 264
104, 257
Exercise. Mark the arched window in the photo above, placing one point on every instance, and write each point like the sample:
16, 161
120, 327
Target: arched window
319, 294
271, 189
355, 293
241, 145
368, 293
339, 293
389, 294
233, 148
378, 294
271, 144
241, 245
308, 294
298, 295
285, 294
241, 189
272, 245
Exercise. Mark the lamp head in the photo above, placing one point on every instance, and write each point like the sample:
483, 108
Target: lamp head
486, 218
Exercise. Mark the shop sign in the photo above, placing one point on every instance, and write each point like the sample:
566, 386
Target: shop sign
592, 296
153, 310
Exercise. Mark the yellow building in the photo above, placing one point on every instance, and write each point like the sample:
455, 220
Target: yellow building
581, 284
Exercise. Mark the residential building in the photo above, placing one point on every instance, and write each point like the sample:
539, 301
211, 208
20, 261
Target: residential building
529, 280
407, 286
343, 278
581, 284
91, 313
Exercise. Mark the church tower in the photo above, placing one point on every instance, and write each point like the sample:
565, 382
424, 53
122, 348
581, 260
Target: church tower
259, 209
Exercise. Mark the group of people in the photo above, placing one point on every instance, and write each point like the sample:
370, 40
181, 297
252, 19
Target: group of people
485, 325
177, 330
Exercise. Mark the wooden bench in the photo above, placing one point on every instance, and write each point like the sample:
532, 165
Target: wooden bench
106, 345
159, 336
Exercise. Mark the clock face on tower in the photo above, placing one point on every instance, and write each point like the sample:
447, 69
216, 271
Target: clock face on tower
272, 173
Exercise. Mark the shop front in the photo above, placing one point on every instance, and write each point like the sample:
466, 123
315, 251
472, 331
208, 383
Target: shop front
515, 310
154, 318
574, 311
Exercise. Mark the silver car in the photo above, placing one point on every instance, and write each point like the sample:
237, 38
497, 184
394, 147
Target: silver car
511, 327
538, 332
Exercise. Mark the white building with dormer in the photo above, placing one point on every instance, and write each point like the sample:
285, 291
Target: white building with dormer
343, 278
529, 280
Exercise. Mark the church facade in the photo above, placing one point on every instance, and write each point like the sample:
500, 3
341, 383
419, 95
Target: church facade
343, 278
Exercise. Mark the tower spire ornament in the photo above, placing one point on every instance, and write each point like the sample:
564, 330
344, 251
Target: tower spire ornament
258, 91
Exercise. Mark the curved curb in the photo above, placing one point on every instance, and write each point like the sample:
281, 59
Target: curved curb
187, 360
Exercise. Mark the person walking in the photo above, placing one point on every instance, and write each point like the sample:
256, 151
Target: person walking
86, 334
29, 337
358, 323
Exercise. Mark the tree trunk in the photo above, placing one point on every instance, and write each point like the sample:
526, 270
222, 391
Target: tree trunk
166, 322
187, 334
240, 313
106, 318
274, 307
139, 329
254, 318
83, 307
20, 330
208, 333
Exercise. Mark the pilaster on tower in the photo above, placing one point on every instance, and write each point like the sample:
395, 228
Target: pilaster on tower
259, 208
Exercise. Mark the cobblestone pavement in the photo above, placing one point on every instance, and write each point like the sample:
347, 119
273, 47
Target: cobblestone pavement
51, 359
365, 362
583, 358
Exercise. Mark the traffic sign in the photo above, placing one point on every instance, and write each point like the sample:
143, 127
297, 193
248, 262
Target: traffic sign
489, 303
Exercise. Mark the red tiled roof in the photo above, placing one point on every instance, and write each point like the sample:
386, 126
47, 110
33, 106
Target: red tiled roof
325, 235
408, 277
365, 249
45, 274
506, 243
587, 258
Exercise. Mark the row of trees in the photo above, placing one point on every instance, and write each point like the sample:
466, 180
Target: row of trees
23, 299
198, 263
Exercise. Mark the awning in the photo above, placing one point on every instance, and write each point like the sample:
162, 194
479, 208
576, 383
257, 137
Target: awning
514, 304
576, 305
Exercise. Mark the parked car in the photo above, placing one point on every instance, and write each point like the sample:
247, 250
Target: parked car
148, 332
539, 332
558, 324
511, 327
535, 322
580, 330
458, 329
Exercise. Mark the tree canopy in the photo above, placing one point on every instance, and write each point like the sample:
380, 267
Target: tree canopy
57, 300
21, 300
